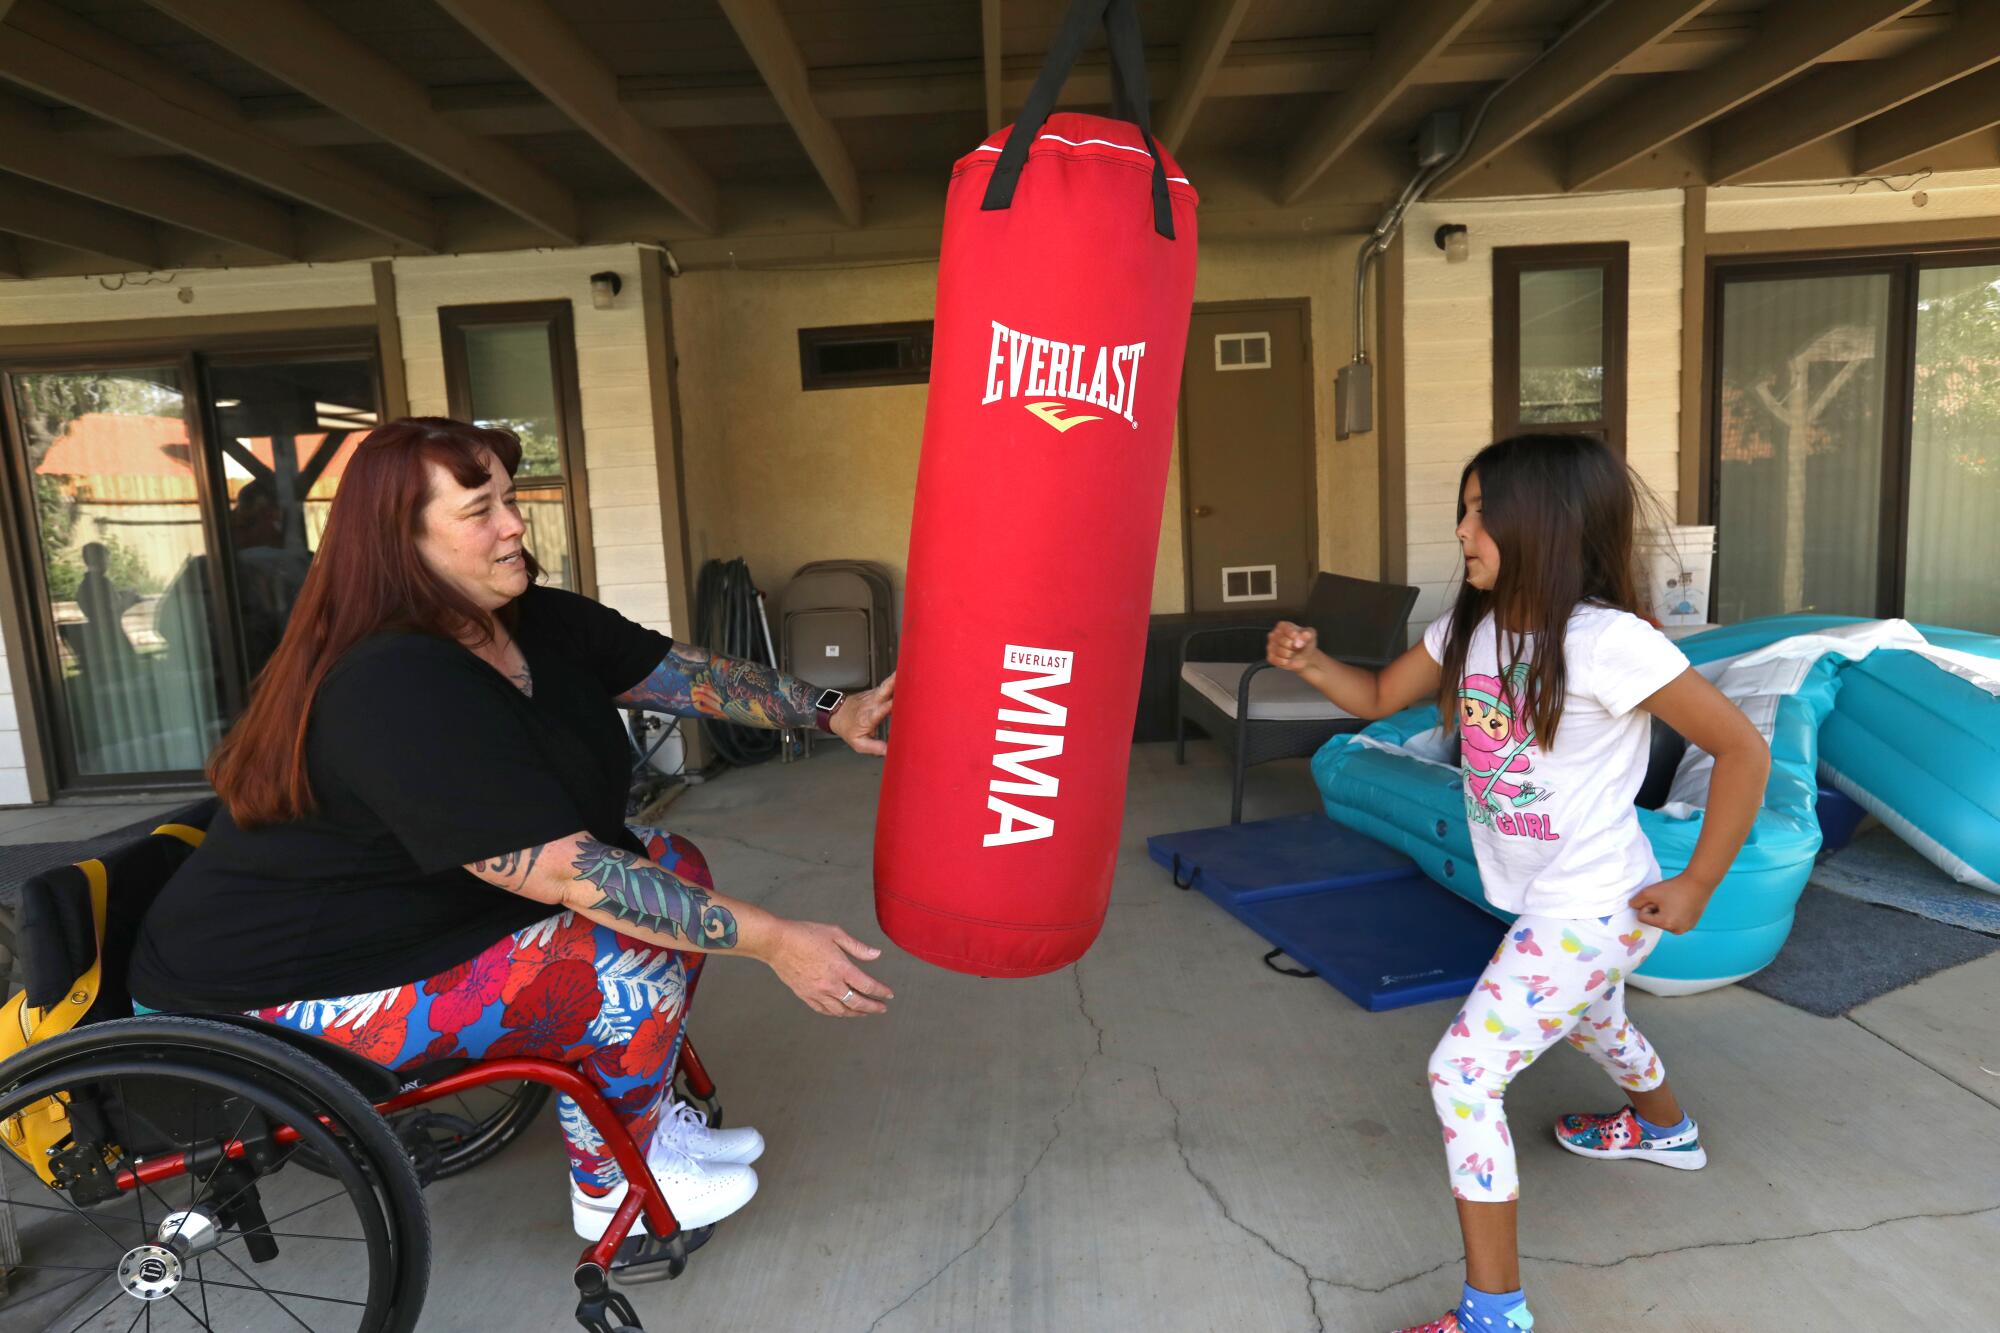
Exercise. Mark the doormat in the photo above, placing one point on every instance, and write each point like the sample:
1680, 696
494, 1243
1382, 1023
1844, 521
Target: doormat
1843, 953
1879, 867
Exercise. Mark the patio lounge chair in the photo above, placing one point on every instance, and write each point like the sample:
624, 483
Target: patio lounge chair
1260, 713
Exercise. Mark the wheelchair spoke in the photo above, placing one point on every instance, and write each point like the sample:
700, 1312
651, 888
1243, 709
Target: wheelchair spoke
98, 1311
255, 1285
280, 1291
69, 1206
241, 1125
101, 1273
250, 1184
294, 1213
145, 1313
201, 1277
190, 1313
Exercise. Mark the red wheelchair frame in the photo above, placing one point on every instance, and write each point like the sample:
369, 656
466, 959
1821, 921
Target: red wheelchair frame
597, 1301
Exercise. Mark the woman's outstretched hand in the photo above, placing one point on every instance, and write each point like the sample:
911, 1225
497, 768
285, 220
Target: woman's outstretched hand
817, 962
860, 716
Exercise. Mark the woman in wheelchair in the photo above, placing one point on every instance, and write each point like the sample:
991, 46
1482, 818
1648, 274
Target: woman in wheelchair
421, 854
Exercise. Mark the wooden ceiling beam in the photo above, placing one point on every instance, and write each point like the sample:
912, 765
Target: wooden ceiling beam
1210, 32
1797, 34
775, 52
10, 254
1401, 53
546, 51
1584, 57
51, 51
292, 41
1264, 68
145, 186
28, 208
1964, 107
1827, 101
992, 58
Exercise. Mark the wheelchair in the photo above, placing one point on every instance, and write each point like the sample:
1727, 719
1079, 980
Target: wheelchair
213, 1171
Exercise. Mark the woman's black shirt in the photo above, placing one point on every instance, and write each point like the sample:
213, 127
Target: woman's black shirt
422, 758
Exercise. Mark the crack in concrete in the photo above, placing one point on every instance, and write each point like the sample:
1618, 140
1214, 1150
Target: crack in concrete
1215, 1196
1989, 1210
1075, 1092
1905, 1051
694, 833
1678, 1249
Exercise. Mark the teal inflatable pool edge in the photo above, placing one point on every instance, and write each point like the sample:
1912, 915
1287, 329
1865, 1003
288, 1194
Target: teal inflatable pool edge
1416, 807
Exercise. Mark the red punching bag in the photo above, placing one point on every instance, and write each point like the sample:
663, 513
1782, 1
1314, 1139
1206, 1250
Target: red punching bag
1064, 291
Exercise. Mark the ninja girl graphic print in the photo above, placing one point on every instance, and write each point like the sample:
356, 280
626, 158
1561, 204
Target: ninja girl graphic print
1497, 754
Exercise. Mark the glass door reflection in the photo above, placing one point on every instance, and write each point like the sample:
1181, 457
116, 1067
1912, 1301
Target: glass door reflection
117, 524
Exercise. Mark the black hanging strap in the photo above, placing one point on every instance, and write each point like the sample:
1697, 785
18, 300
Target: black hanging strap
1131, 99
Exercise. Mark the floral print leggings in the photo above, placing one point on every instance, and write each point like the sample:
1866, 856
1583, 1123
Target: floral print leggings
1550, 980
564, 989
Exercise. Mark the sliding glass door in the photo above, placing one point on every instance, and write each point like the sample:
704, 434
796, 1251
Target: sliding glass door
168, 512
1952, 571
117, 524
1856, 427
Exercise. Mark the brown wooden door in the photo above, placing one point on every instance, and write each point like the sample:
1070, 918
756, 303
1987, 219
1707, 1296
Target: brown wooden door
1247, 487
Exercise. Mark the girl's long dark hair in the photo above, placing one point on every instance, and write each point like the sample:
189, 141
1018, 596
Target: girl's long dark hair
1561, 509
366, 576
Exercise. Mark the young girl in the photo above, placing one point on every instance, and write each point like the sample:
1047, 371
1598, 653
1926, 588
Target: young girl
1548, 674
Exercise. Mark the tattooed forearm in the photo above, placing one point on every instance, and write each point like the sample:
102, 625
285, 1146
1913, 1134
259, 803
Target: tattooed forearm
510, 870
634, 889
692, 682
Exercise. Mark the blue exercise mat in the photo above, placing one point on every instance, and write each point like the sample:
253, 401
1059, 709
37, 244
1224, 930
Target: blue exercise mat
1356, 912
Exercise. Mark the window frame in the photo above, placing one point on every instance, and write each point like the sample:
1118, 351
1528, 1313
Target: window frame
1613, 258
559, 317
1904, 266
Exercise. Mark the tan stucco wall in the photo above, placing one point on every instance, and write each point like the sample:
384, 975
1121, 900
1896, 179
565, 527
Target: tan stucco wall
781, 476
775, 474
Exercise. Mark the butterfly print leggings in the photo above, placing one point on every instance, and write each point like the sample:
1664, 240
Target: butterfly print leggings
564, 989
1550, 980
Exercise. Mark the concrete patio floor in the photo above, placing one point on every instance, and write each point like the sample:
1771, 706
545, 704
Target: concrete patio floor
1170, 1136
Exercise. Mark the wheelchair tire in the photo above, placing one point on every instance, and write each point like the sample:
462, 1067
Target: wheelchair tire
458, 1147
207, 1072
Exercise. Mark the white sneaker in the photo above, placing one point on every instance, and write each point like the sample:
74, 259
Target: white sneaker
699, 1195
684, 1129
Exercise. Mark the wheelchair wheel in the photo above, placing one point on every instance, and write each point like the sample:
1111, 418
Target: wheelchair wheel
171, 1204
451, 1136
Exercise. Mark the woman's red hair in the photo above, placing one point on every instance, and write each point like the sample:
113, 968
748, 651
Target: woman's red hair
367, 576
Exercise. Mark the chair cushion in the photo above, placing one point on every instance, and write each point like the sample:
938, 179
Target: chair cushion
1275, 696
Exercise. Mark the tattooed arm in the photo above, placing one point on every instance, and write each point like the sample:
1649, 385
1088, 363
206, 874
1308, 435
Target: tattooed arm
693, 682
639, 897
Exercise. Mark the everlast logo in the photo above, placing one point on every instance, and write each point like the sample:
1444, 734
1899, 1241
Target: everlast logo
1038, 669
1024, 365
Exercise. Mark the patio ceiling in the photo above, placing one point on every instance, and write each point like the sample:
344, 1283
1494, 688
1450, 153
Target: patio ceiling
179, 133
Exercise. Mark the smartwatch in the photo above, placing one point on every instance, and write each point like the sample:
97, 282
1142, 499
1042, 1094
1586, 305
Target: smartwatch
823, 705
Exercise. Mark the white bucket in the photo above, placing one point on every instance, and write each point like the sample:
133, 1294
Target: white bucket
1676, 565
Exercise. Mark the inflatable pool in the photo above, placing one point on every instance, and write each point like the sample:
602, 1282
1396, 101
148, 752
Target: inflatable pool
1913, 734
1398, 781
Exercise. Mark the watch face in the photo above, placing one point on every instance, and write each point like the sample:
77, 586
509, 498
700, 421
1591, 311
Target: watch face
828, 700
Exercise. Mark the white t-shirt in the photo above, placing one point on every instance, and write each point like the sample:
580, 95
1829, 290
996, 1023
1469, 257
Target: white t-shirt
1554, 829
